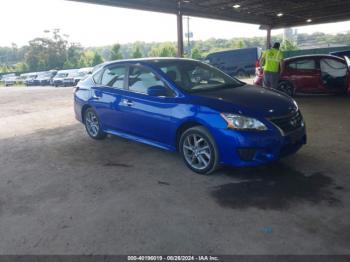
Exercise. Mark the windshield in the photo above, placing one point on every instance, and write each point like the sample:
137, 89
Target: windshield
82, 73
193, 76
61, 75
44, 75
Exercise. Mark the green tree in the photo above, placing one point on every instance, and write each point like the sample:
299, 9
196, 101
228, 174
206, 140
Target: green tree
74, 53
97, 59
21, 67
163, 50
115, 52
197, 54
288, 46
6, 69
46, 53
86, 58
137, 53
57, 51
241, 44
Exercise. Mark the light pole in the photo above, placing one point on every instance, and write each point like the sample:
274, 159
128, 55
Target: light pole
189, 35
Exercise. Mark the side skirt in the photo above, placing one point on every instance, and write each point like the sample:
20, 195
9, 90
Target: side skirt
141, 140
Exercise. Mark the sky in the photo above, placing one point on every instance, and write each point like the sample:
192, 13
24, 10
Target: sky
94, 25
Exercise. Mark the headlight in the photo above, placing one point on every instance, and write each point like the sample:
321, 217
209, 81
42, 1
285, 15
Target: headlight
243, 123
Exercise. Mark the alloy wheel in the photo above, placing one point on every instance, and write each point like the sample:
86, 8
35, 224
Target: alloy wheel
197, 151
92, 124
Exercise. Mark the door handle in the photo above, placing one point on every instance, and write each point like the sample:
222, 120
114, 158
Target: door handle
127, 102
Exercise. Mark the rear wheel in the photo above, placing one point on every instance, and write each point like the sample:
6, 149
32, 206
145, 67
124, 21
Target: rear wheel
286, 87
199, 150
93, 125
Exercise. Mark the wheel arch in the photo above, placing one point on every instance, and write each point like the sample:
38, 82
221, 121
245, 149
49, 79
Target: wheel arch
186, 125
83, 109
290, 82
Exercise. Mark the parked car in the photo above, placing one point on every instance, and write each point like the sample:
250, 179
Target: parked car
59, 77
3, 77
23, 77
238, 62
341, 54
82, 74
10, 80
46, 78
211, 118
312, 74
76, 75
69, 79
31, 79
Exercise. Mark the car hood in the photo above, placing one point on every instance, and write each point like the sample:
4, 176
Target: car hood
248, 100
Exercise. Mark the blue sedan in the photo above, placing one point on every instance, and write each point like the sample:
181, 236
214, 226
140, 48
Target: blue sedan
184, 105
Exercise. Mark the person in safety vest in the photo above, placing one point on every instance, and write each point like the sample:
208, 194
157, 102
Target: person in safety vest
271, 61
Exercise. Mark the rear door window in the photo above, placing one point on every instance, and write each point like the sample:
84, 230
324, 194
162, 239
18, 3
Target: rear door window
141, 79
114, 77
305, 64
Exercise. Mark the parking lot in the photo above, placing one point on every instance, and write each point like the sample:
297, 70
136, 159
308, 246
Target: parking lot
63, 193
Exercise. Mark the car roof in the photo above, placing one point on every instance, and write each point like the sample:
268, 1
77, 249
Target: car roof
85, 69
149, 60
312, 56
67, 71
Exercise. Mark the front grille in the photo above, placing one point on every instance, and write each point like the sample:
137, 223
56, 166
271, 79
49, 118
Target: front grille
289, 123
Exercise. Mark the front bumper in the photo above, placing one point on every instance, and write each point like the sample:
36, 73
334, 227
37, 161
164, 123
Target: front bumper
243, 149
45, 82
57, 82
10, 83
68, 82
32, 83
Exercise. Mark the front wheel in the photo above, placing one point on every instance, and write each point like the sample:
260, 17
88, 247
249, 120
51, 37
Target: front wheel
199, 150
93, 125
286, 88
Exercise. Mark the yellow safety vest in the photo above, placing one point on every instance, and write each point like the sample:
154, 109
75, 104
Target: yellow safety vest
273, 58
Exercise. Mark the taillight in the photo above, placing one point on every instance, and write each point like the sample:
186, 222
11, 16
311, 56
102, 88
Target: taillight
257, 63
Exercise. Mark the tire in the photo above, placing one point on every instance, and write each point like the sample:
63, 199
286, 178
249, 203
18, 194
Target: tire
287, 88
93, 125
202, 157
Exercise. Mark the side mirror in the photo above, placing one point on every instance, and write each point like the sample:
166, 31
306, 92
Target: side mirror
157, 91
